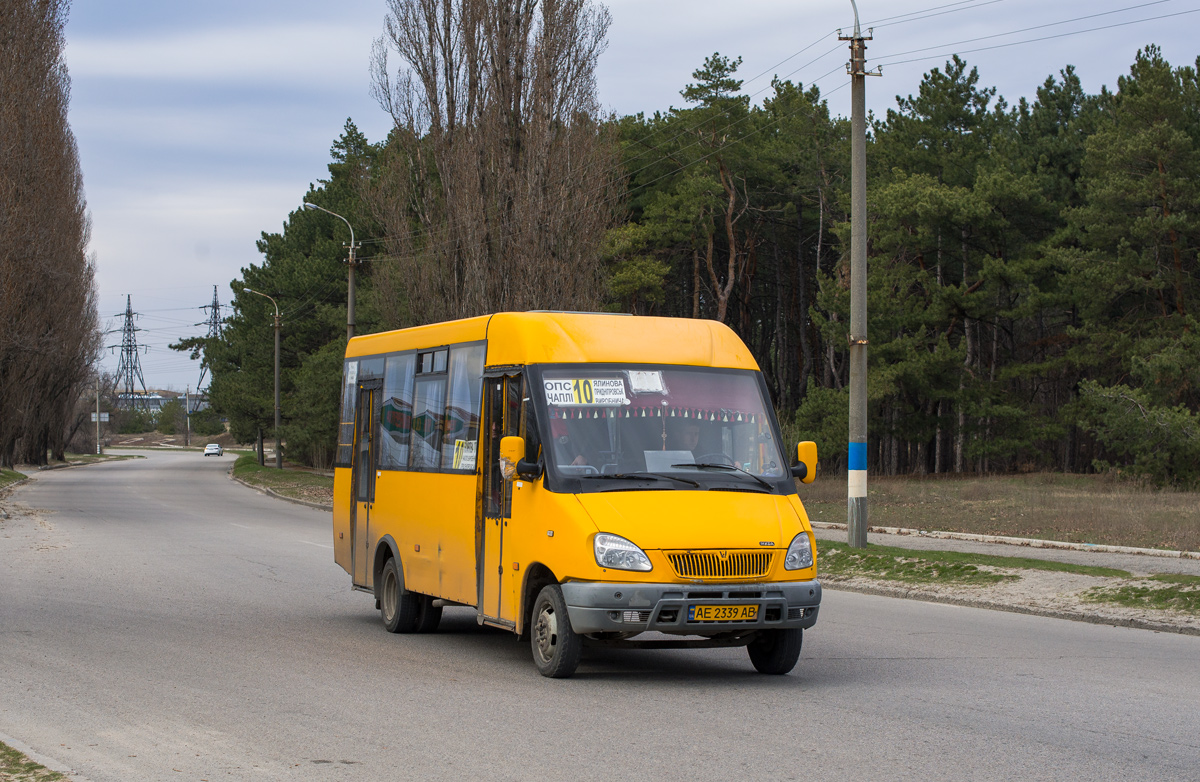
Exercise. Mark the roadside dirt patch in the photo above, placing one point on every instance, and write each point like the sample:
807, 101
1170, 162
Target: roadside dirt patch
1040, 592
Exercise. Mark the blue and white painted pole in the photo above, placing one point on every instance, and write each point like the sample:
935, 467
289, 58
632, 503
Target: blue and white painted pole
856, 502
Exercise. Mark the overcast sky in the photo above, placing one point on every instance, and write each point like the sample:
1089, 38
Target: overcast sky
201, 125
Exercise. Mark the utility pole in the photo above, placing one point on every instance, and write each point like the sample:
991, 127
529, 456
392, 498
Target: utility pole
98, 448
187, 414
353, 263
856, 502
278, 446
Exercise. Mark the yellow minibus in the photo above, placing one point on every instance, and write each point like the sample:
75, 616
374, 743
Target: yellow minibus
578, 479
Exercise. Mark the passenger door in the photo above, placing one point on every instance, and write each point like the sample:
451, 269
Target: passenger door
363, 467
502, 403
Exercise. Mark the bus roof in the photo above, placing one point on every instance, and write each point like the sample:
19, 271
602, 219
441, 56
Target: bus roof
516, 338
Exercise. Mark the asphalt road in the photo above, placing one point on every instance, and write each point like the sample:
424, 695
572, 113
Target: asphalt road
160, 622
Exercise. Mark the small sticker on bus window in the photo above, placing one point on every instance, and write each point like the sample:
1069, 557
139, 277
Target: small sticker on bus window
351, 373
593, 392
647, 382
464, 454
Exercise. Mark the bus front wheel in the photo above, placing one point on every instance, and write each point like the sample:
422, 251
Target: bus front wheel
399, 608
776, 651
556, 647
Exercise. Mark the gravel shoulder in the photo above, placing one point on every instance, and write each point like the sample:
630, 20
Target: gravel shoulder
1038, 592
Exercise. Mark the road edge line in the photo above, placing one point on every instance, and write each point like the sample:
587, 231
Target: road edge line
990, 605
1025, 542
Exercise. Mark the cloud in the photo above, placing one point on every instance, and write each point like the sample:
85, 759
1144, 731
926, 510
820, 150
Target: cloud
279, 55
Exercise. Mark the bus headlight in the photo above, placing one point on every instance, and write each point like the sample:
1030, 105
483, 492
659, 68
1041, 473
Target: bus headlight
613, 551
799, 554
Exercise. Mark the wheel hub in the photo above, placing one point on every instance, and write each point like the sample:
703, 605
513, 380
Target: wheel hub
546, 632
389, 597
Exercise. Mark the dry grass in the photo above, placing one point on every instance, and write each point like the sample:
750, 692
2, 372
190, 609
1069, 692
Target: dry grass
1077, 508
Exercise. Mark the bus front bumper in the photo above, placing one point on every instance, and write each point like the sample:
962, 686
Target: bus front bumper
601, 607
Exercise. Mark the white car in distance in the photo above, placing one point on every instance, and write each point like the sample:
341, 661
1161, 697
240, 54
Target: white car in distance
213, 449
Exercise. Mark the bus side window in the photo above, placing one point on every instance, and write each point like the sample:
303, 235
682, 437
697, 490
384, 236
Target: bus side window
345, 448
460, 433
395, 425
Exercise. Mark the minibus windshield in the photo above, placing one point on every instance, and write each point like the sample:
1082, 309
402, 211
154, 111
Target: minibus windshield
681, 427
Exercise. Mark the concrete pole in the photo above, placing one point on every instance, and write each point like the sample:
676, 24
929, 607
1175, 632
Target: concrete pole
350, 295
856, 502
99, 450
278, 448
350, 288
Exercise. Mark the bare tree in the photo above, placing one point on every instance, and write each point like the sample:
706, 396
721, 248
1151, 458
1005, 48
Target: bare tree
499, 180
49, 337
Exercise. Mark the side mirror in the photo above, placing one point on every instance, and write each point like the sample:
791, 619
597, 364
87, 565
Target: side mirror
512, 450
513, 463
806, 462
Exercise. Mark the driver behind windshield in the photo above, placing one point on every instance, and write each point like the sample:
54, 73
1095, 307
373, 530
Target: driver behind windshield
683, 435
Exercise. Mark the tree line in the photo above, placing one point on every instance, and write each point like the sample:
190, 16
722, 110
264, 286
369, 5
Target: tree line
49, 333
1032, 267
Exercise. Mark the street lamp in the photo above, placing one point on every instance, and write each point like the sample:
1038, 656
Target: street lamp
278, 448
350, 289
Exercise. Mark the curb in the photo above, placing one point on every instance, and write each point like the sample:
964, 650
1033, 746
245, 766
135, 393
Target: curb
278, 496
1077, 616
1026, 542
51, 764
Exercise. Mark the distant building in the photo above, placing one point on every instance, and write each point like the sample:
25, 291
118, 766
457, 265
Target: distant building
150, 400
154, 400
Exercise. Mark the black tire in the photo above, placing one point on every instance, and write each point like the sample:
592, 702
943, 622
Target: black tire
776, 651
556, 647
428, 615
399, 608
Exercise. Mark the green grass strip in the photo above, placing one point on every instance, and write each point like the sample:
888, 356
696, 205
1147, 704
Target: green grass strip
249, 470
1179, 597
8, 477
966, 558
15, 766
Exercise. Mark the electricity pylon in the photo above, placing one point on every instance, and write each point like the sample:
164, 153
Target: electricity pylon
129, 369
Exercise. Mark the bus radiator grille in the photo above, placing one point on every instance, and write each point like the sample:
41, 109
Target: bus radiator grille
711, 564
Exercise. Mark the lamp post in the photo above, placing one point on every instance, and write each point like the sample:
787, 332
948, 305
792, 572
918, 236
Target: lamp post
278, 447
350, 288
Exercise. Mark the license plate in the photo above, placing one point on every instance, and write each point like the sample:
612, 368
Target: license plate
722, 613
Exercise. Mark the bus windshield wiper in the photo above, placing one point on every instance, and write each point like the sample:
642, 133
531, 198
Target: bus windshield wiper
656, 476
726, 467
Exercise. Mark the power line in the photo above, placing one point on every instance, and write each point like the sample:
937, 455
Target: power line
917, 16
1028, 29
1027, 40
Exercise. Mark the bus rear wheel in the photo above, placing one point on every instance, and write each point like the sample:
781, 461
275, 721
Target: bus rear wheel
399, 608
776, 651
428, 615
556, 647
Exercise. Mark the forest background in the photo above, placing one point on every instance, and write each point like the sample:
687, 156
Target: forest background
1032, 268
